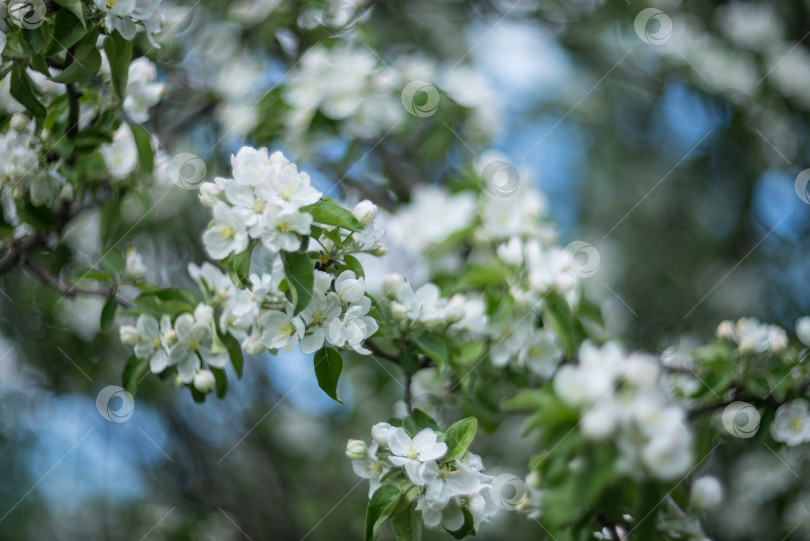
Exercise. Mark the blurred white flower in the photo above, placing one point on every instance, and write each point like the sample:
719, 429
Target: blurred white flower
120, 156
791, 425
706, 493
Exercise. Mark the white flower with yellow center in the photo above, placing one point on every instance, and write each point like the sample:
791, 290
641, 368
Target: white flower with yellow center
372, 468
194, 343
412, 453
281, 329
318, 315
228, 234
791, 425
283, 230
154, 341
292, 190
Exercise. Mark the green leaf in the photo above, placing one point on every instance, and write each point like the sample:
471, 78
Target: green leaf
328, 365
221, 381
380, 507
470, 352
589, 310
86, 62
434, 347
417, 421
239, 268
143, 142
119, 52
108, 313
114, 260
561, 321
327, 211
468, 528
34, 39
407, 525
300, 275
133, 372
354, 265
235, 351
25, 91
458, 437
67, 31
479, 275
74, 6
526, 400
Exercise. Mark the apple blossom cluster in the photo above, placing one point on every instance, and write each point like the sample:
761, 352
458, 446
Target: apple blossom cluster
20, 170
262, 201
127, 16
619, 397
504, 228
189, 344
348, 84
446, 486
751, 336
424, 307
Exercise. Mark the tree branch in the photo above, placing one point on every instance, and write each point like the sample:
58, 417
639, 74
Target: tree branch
67, 289
375, 349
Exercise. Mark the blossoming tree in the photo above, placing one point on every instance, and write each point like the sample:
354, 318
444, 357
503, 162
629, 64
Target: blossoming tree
463, 288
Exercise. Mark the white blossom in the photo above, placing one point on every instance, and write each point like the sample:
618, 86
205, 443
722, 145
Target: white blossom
413, 453
791, 425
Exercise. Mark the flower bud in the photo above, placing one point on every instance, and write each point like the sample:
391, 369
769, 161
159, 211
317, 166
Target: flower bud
66, 193
365, 211
803, 330
134, 264
534, 479
19, 122
203, 314
209, 194
253, 344
398, 311
380, 433
391, 282
170, 337
725, 330
129, 335
356, 449
204, 381
379, 250
706, 493
456, 308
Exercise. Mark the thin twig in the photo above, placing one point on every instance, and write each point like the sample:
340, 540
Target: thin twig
67, 289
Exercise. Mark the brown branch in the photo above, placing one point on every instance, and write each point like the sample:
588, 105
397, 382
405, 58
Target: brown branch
67, 289
375, 349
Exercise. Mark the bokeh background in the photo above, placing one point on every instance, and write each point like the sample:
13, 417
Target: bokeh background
671, 141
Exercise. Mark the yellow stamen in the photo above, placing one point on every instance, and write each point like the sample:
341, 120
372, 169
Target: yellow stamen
286, 330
